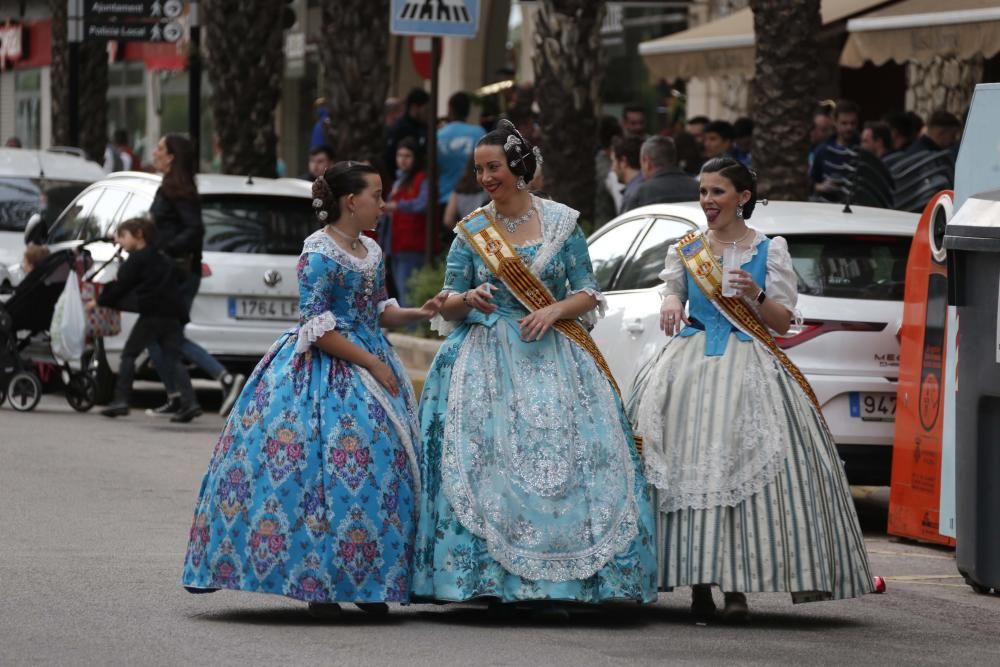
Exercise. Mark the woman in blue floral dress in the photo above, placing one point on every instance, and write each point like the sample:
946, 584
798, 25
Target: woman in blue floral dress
311, 489
532, 488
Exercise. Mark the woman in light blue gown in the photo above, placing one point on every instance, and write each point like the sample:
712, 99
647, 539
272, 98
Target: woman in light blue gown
311, 489
531, 483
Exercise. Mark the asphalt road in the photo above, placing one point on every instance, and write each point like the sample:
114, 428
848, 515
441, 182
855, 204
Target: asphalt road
95, 520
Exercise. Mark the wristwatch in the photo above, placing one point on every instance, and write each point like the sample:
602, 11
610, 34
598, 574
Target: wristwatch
760, 297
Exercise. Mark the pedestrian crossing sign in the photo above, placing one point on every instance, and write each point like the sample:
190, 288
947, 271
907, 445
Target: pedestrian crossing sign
437, 18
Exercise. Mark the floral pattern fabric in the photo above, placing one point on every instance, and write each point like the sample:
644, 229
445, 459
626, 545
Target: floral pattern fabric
531, 487
311, 488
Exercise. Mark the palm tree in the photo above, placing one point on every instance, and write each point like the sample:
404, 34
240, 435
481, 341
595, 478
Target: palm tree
569, 67
246, 65
356, 69
92, 100
786, 81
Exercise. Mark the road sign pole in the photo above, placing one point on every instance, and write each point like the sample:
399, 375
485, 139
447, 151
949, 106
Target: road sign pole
74, 30
194, 82
433, 227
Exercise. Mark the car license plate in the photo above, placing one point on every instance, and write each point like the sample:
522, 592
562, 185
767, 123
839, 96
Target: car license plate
873, 407
249, 308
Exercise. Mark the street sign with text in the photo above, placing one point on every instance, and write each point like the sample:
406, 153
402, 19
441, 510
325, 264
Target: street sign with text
435, 18
133, 20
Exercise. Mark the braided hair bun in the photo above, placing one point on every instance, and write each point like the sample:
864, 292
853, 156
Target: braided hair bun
342, 179
523, 158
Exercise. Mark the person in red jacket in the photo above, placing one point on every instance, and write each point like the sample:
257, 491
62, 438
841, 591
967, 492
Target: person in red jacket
407, 205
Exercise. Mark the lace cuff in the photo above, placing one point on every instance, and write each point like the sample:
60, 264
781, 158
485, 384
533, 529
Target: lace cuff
442, 326
382, 305
312, 330
590, 317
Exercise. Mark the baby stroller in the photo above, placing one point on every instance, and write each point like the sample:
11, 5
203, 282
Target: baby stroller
24, 339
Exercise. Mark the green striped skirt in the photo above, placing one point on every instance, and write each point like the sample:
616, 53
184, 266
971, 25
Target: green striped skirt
750, 491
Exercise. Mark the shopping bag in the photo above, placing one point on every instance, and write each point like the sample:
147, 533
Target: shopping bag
69, 327
102, 322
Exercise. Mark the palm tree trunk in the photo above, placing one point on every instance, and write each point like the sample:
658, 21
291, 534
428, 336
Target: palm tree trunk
246, 65
356, 66
786, 81
92, 108
569, 67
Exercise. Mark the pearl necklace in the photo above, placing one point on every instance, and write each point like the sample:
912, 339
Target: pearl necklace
353, 239
509, 223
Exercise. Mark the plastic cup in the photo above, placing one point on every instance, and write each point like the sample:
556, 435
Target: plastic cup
730, 262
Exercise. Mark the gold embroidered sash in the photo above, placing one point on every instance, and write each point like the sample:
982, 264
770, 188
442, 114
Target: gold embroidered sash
706, 272
481, 232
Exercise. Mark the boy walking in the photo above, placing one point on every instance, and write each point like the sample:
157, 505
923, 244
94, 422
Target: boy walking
147, 285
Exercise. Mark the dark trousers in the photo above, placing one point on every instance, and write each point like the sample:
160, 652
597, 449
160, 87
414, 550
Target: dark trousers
168, 334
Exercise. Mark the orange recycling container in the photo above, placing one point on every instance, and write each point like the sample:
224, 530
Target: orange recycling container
914, 497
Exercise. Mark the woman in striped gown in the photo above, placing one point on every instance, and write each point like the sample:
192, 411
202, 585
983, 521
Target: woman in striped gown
750, 492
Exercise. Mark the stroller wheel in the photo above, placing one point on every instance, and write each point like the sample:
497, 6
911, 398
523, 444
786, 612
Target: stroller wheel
24, 391
81, 392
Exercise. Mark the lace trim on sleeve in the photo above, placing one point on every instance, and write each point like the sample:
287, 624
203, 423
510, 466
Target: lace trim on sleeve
782, 284
441, 325
590, 317
673, 275
382, 305
312, 330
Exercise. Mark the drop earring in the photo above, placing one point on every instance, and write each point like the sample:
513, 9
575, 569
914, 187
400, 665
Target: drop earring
521, 184
739, 211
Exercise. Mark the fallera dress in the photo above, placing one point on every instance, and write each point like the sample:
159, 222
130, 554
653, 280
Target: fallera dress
750, 492
311, 489
531, 485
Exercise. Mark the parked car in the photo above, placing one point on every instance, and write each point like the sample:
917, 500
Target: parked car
851, 268
35, 183
254, 229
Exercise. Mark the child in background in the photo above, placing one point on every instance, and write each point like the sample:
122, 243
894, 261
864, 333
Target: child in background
148, 282
34, 255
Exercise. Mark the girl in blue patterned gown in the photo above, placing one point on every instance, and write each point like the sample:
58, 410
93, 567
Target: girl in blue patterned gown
532, 489
311, 489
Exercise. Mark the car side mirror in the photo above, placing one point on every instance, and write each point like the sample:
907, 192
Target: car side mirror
35, 231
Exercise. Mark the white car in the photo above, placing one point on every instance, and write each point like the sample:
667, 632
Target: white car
254, 229
851, 268
32, 183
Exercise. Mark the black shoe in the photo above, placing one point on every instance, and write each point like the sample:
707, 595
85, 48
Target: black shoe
373, 608
324, 610
736, 610
552, 613
184, 415
702, 604
115, 410
232, 385
168, 409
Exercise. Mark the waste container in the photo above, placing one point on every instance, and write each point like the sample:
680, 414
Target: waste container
972, 240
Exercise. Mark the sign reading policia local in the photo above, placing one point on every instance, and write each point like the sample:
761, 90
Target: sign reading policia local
133, 20
436, 18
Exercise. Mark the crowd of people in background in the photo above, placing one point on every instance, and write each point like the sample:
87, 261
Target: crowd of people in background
897, 162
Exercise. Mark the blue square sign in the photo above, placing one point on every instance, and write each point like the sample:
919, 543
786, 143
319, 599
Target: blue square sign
436, 18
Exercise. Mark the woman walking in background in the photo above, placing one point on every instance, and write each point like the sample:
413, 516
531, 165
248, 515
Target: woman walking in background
176, 210
311, 490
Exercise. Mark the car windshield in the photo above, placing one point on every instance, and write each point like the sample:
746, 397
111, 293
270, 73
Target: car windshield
257, 224
20, 198
850, 266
